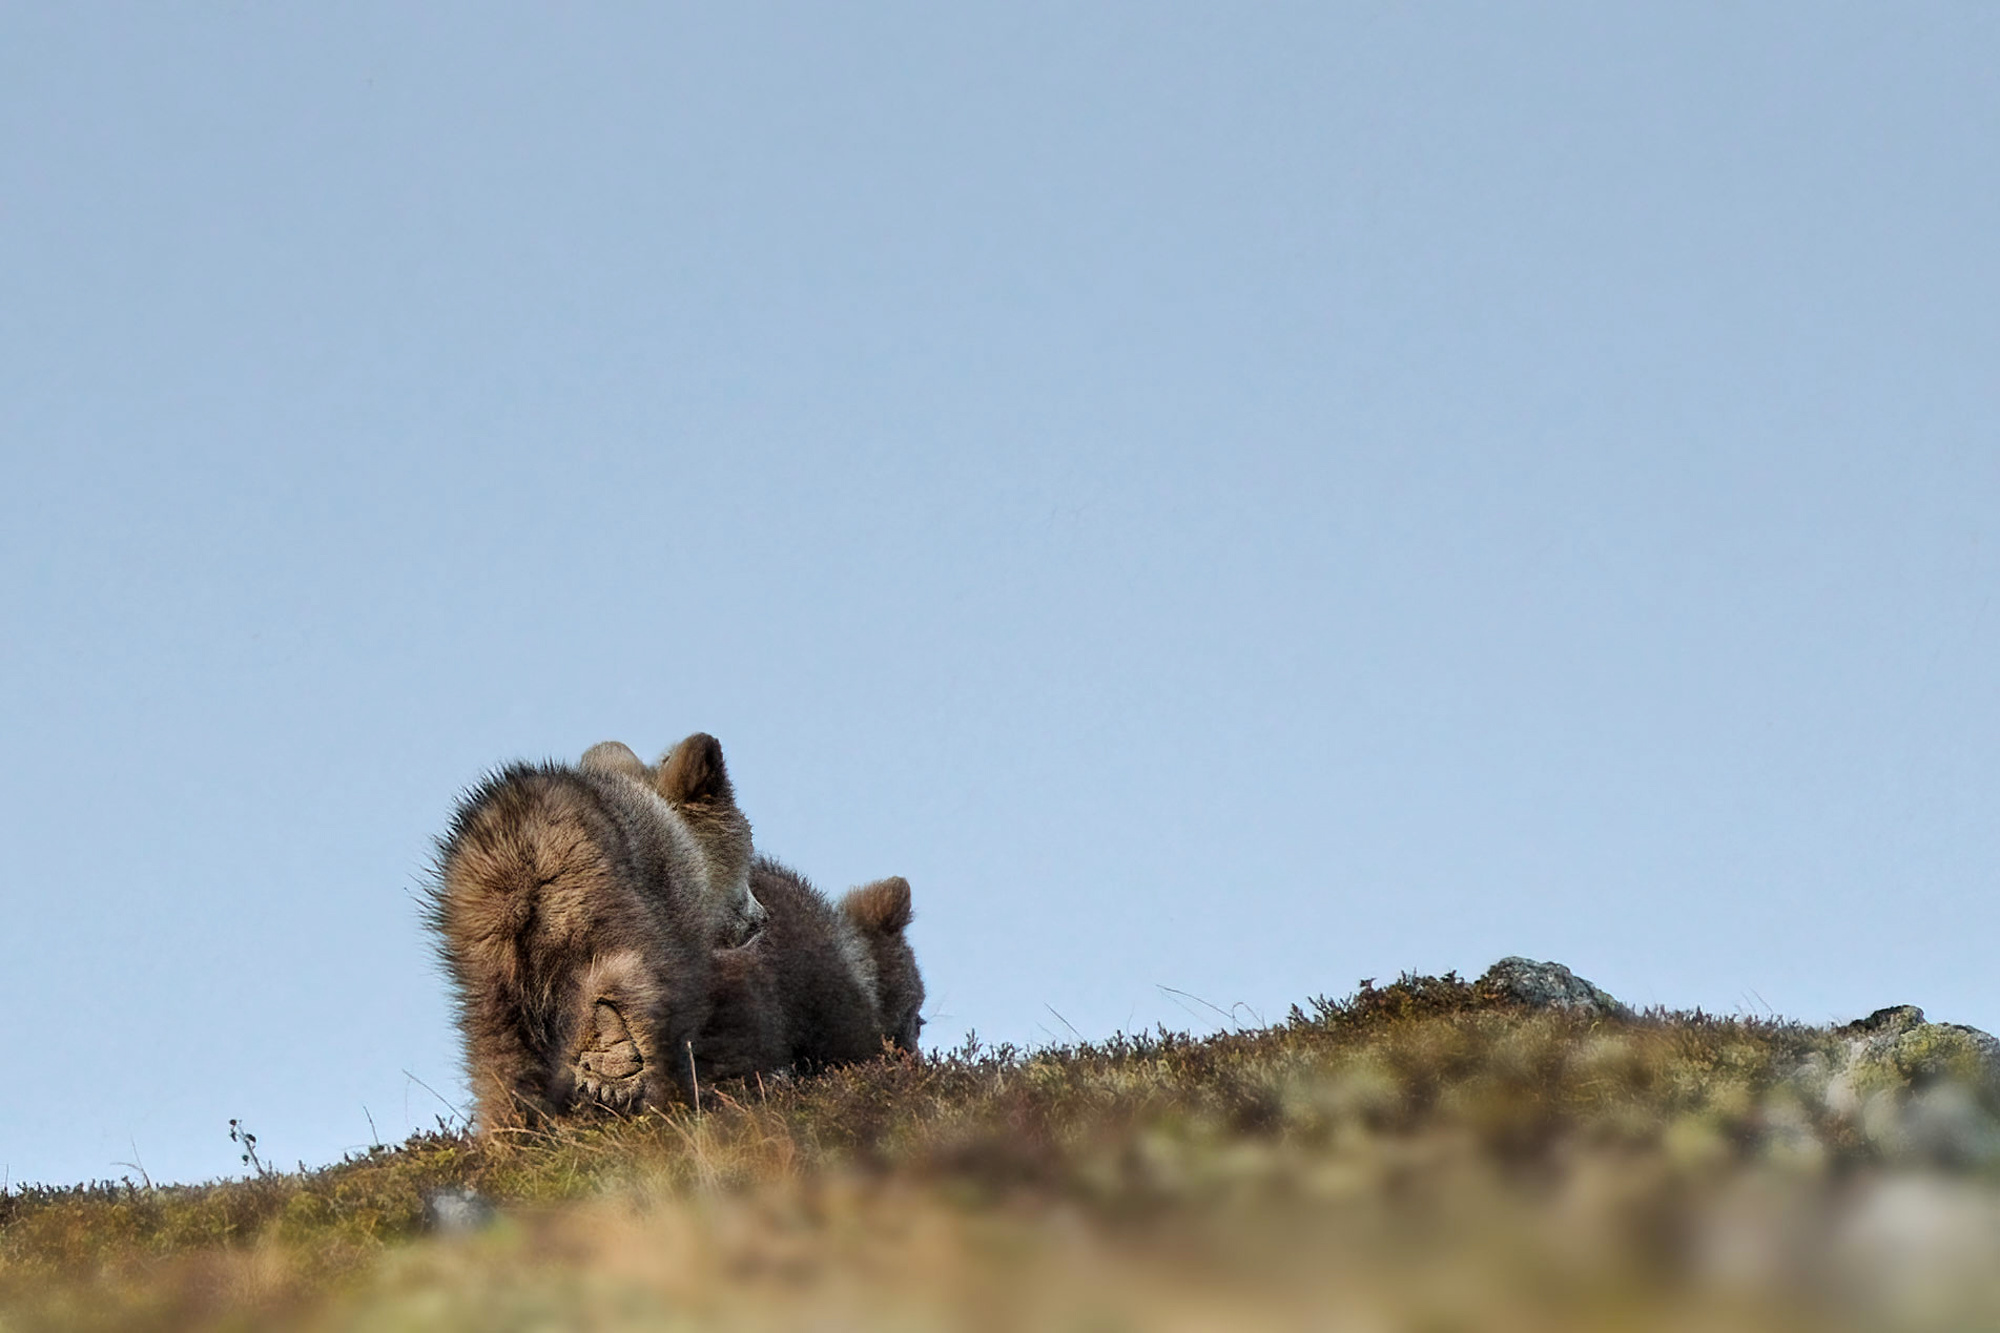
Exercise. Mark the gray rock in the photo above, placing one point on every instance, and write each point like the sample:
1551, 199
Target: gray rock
1899, 1047
1984, 1044
1549, 986
456, 1210
1919, 1091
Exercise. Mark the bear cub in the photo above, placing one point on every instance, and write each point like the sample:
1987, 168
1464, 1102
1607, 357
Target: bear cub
820, 985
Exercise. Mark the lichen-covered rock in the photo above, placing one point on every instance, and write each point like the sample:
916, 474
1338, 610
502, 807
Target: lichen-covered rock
1898, 1047
1547, 986
1918, 1091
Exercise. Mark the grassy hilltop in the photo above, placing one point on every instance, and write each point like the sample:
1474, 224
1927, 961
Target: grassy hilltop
1428, 1155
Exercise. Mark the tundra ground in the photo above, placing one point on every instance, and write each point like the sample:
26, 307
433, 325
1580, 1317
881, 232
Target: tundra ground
1421, 1155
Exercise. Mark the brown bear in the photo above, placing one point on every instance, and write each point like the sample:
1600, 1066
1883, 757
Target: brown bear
821, 985
579, 909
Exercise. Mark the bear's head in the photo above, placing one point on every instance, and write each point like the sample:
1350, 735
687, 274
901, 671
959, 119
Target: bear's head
882, 911
692, 779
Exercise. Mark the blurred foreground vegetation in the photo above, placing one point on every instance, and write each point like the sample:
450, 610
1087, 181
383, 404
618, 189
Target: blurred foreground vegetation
1421, 1156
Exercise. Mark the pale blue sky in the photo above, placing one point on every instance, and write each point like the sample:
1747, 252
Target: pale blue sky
1229, 498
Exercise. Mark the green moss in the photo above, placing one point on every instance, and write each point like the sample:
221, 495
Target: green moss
1937, 1050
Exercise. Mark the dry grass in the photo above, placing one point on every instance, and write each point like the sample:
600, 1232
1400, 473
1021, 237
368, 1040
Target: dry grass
1416, 1157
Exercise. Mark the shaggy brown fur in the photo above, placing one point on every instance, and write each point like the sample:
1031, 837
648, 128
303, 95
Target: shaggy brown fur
820, 986
577, 912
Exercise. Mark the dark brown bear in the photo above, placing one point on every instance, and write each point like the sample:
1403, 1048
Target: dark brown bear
578, 909
822, 985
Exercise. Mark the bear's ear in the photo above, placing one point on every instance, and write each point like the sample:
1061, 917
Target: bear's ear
692, 773
883, 907
614, 757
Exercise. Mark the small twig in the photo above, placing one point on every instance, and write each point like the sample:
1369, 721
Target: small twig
1064, 1021
1227, 1017
240, 1133
518, 1133
760, 1084
374, 1135
693, 1077
136, 1164
456, 1113
1245, 1006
